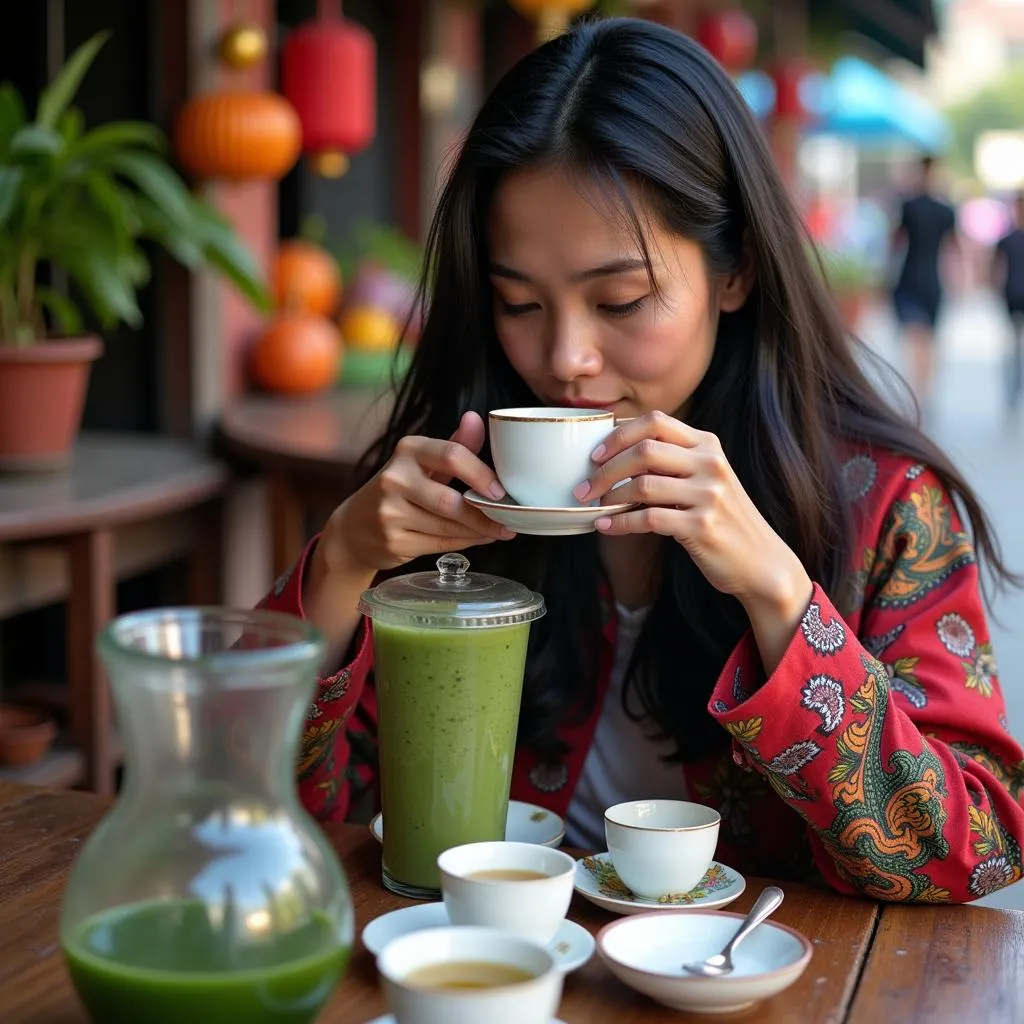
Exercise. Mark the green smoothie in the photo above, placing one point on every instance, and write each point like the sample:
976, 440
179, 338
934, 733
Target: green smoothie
449, 708
162, 963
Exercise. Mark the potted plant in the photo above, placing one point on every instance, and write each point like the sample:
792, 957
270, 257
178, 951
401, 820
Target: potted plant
853, 280
83, 202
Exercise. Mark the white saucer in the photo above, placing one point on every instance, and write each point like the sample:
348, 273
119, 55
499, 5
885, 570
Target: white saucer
544, 522
571, 947
526, 823
597, 881
389, 1018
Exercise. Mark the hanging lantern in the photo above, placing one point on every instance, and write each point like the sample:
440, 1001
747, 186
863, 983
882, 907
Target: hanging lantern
238, 135
552, 16
243, 46
329, 73
788, 78
731, 38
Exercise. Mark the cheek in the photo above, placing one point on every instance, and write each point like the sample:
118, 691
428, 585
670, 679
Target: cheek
670, 351
522, 347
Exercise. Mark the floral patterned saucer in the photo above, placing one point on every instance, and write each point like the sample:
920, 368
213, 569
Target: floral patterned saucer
597, 881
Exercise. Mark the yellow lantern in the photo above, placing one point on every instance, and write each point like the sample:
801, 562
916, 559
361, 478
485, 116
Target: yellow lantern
552, 16
243, 46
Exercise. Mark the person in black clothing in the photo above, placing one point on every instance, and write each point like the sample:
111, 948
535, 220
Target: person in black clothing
1009, 278
925, 225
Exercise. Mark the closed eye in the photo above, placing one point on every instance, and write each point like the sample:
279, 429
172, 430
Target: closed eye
624, 308
518, 308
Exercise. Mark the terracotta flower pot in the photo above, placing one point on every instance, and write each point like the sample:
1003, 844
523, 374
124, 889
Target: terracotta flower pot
25, 734
42, 395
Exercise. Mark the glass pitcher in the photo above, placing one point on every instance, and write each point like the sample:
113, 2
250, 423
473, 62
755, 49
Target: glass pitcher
449, 654
208, 894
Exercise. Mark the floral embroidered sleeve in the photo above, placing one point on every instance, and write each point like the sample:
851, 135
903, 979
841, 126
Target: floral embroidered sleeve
336, 762
886, 729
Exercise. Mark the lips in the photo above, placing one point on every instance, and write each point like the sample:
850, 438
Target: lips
587, 403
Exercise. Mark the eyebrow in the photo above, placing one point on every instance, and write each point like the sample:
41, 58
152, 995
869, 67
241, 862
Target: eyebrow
605, 270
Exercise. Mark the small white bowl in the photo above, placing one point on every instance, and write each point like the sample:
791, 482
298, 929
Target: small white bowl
532, 908
661, 847
534, 1001
647, 953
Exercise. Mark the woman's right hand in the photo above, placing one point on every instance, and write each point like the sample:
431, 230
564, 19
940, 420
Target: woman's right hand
408, 509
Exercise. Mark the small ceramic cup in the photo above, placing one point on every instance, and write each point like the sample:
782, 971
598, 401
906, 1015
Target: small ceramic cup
541, 455
479, 887
533, 1000
661, 847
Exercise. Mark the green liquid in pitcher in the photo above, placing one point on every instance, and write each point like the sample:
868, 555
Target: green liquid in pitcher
449, 709
162, 963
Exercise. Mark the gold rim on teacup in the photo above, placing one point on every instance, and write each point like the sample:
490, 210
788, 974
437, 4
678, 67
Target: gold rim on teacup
538, 415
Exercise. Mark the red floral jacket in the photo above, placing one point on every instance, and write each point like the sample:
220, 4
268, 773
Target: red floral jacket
876, 755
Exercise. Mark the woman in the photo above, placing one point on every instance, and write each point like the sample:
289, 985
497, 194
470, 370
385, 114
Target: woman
791, 629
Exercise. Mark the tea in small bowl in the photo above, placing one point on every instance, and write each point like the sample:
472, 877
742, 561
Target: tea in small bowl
465, 975
661, 847
519, 887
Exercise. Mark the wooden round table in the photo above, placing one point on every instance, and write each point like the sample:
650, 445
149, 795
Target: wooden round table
124, 504
308, 448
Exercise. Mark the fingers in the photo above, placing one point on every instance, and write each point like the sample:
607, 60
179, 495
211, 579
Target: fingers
641, 460
672, 492
440, 511
443, 461
667, 522
657, 426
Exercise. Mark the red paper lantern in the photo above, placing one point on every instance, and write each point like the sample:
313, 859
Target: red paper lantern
788, 78
731, 38
329, 74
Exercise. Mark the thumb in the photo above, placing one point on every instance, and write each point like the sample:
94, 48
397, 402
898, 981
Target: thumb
470, 432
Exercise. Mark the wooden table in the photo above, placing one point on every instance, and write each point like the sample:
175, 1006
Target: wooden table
114, 482
872, 963
307, 448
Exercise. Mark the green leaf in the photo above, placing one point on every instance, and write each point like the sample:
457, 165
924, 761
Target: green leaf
10, 183
111, 139
155, 224
105, 286
71, 125
228, 254
64, 312
116, 203
60, 92
157, 182
37, 140
12, 114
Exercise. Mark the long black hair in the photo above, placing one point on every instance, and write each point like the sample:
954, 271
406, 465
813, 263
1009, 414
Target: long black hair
631, 103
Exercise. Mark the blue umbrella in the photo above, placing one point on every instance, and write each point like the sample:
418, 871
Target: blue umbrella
861, 103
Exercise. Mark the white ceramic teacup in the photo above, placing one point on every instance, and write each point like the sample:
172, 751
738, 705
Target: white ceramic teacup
533, 908
541, 454
661, 847
531, 1001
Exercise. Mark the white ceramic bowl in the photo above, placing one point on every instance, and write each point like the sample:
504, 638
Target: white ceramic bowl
532, 908
647, 953
527, 1002
542, 454
661, 847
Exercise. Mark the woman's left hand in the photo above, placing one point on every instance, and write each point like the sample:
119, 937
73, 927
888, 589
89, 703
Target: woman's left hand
692, 494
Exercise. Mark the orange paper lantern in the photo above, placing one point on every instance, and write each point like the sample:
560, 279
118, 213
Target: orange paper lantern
306, 277
238, 135
299, 353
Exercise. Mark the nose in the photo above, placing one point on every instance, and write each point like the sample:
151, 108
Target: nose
574, 349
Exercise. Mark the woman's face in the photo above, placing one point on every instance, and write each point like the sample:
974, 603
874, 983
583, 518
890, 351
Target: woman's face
573, 304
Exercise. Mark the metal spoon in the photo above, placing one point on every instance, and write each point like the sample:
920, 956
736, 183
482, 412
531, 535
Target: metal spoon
721, 963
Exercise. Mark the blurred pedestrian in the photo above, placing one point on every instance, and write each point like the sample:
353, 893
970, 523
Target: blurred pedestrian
927, 223
1008, 277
